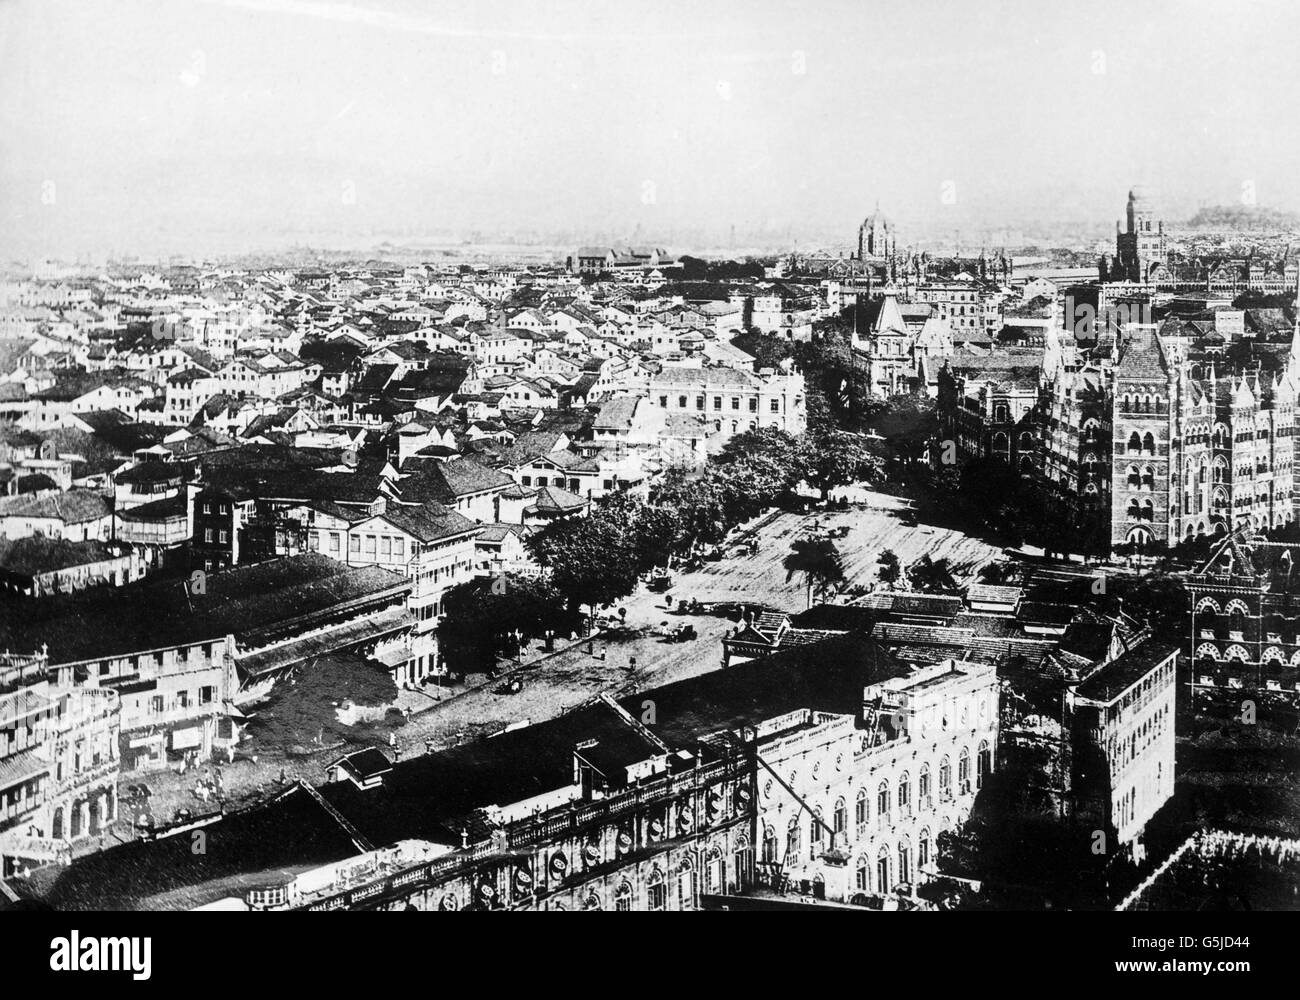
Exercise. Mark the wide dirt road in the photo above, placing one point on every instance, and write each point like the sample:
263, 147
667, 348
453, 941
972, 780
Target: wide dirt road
761, 579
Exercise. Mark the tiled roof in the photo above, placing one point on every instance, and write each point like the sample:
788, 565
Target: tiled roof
72, 507
444, 482
153, 614
554, 499
1142, 357
428, 523
36, 555
20, 767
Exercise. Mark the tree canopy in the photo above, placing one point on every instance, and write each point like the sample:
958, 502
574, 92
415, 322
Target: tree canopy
819, 561
593, 560
484, 615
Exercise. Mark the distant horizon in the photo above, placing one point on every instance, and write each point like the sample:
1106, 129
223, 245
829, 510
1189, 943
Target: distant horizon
403, 246
217, 127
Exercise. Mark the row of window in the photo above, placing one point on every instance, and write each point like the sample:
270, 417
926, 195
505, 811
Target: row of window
156, 660
901, 796
885, 877
700, 403
1144, 445
1142, 404
682, 888
182, 700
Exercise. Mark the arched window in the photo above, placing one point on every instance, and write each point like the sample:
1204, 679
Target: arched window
1149, 443
714, 875
740, 864
863, 874
882, 802
945, 776
882, 870
923, 787
686, 886
1134, 443
840, 819
815, 833
655, 891
923, 849
793, 841
904, 792
769, 845
862, 811
623, 897
904, 861
983, 763
963, 769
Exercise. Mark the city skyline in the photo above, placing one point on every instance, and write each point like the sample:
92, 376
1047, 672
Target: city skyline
742, 456
250, 125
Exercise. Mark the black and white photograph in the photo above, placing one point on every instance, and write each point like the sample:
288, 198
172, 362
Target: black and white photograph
719, 456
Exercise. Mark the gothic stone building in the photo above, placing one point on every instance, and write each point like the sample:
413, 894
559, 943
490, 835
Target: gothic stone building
1144, 262
1192, 456
1245, 616
1167, 444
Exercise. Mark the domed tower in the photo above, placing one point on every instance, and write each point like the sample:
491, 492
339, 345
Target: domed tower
875, 237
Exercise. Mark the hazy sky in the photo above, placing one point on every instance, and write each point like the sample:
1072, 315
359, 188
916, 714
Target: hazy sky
152, 126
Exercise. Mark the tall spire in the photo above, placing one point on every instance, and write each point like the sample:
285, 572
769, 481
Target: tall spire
1293, 360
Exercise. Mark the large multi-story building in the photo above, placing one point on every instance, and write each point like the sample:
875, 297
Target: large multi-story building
1086, 708
1244, 607
827, 769
1163, 437
988, 406
1121, 721
181, 654
853, 807
732, 401
904, 344
1195, 456
58, 761
1140, 249
1144, 262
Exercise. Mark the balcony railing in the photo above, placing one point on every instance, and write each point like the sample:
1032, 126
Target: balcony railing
534, 830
